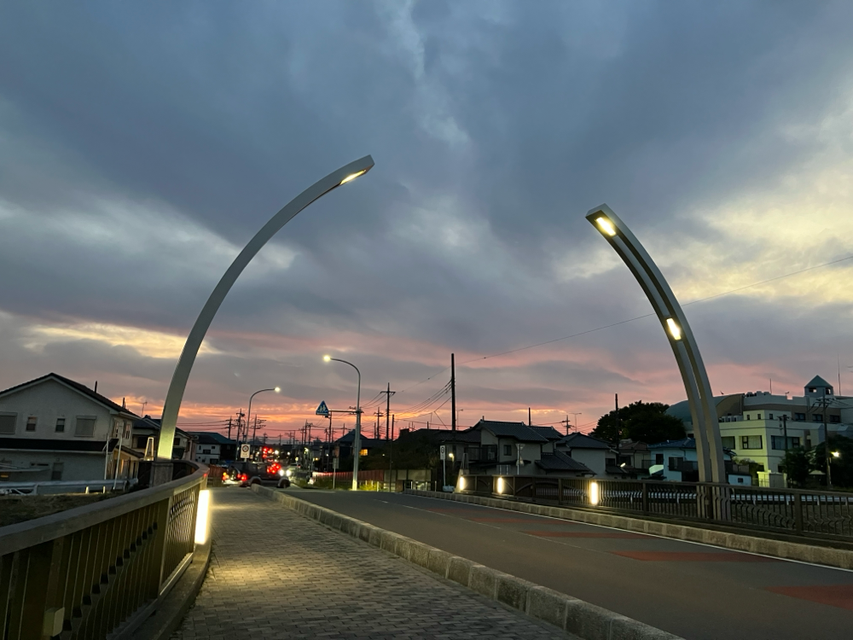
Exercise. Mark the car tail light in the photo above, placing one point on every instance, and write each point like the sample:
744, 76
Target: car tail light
244, 477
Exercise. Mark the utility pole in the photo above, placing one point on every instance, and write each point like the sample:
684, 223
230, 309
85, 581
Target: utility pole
376, 431
391, 454
567, 423
575, 416
388, 395
529, 419
453, 397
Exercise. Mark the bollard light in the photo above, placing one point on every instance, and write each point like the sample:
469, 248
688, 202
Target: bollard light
202, 516
501, 485
461, 483
593, 493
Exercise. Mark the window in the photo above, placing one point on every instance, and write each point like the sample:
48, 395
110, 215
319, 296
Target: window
799, 417
835, 419
205, 451
60, 425
31, 423
141, 441
363, 452
747, 416
507, 449
658, 458
769, 416
85, 426
816, 417
56, 472
758, 416
750, 442
778, 442
728, 442
7, 423
176, 442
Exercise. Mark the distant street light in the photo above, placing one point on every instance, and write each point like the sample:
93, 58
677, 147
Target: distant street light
178, 385
703, 409
249, 410
356, 441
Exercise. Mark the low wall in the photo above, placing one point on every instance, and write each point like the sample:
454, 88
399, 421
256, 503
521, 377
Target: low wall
575, 616
831, 557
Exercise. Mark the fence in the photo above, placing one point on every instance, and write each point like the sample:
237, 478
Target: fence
98, 569
817, 514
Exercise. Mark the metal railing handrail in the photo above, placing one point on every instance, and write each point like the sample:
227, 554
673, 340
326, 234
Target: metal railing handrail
39, 530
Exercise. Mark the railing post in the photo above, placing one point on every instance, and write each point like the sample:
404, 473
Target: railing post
559, 491
645, 486
798, 512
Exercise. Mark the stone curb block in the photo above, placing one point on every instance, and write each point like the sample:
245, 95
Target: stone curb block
563, 611
802, 551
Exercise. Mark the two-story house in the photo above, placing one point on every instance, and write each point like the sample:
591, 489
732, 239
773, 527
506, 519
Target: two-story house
64, 430
677, 461
214, 448
147, 430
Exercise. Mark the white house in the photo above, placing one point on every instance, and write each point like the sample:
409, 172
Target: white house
677, 461
53, 428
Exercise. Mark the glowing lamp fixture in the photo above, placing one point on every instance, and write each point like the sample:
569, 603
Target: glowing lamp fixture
202, 516
277, 389
605, 225
327, 358
674, 329
836, 454
353, 176
593, 493
501, 485
461, 483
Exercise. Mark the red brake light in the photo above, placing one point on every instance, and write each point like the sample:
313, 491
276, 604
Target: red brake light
244, 477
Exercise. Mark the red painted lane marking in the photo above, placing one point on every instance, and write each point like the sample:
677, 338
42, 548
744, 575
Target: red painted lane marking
585, 534
503, 520
692, 556
840, 595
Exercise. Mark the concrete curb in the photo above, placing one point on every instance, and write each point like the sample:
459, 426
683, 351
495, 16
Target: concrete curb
801, 551
570, 614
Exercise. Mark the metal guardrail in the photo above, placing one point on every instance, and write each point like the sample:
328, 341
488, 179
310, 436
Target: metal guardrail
90, 571
815, 514
47, 487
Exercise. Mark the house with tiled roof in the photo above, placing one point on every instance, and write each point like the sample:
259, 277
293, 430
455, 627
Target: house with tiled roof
146, 437
60, 429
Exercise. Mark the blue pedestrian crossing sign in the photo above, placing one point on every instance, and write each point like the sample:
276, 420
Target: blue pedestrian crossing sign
322, 410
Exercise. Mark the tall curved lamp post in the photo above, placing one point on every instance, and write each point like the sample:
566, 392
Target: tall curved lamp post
249, 410
356, 441
703, 410
178, 385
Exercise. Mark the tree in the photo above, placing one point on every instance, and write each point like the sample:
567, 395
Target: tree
642, 422
797, 464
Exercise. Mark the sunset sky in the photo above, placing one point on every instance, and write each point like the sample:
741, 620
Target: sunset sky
142, 145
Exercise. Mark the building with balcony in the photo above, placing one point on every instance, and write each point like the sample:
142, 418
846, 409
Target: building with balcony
755, 425
677, 461
148, 429
55, 428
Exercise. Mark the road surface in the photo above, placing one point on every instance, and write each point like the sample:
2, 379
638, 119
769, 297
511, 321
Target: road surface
697, 591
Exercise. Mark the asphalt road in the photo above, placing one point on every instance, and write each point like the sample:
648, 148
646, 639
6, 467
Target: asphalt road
696, 591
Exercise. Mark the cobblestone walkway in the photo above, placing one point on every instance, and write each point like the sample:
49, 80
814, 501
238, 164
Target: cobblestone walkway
276, 574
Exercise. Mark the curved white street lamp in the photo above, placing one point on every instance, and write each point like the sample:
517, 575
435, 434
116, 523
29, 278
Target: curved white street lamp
178, 384
703, 410
249, 410
356, 441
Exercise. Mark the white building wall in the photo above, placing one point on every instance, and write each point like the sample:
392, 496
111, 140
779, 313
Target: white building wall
592, 458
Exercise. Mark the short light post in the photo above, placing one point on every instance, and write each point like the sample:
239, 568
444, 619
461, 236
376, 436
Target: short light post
356, 441
249, 410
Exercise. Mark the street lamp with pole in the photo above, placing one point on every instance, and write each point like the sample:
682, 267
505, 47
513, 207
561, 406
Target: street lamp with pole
249, 410
162, 472
703, 409
356, 441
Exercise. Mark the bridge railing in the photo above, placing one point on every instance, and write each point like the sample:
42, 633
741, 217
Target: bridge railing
817, 514
96, 570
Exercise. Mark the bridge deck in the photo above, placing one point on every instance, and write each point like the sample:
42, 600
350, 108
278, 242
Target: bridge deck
276, 574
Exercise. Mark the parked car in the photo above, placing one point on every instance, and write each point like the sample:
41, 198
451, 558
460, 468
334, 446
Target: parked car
265, 473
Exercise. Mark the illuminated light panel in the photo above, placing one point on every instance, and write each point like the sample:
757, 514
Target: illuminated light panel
593, 493
674, 329
461, 483
606, 226
501, 485
353, 176
202, 516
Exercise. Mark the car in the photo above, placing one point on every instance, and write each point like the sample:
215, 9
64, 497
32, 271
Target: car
264, 473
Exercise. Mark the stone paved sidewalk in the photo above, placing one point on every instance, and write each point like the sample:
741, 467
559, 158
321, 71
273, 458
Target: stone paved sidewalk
276, 574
